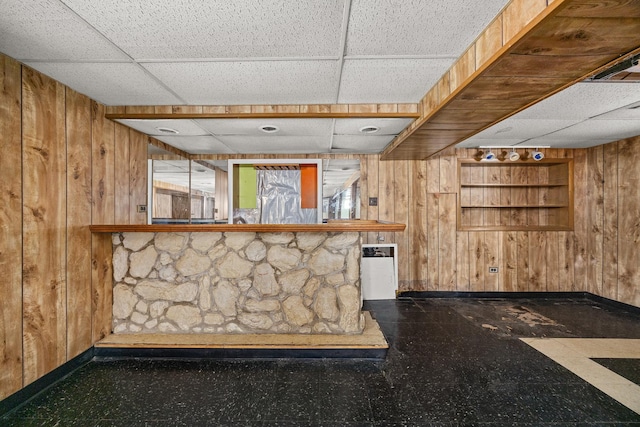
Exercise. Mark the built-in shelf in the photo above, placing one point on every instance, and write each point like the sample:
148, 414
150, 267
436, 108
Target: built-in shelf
515, 196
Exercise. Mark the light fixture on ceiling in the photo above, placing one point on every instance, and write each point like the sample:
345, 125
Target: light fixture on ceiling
167, 130
513, 155
369, 129
489, 156
269, 128
537, 155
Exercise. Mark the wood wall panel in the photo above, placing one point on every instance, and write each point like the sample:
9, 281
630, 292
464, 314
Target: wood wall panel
432, 266
476, 261
373, 191
138, 177
522, 239
401, 214
595, 211
447, 241
47, 303
509, 262
122, 172
629, 221
418, 232
102, 167
610, 223
102, 284
78, 116
580, 224
44, 223
11, 228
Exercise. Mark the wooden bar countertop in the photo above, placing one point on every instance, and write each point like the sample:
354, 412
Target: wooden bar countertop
331, 226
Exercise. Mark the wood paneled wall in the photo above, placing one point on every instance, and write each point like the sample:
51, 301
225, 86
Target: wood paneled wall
601, 255
62, 168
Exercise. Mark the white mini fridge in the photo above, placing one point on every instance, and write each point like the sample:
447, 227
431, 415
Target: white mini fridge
379, 271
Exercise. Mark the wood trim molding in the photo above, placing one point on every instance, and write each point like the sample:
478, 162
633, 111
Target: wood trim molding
332, 226
329, 111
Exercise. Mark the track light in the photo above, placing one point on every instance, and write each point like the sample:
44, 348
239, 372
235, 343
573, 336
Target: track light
537, 155
514, 156
488, 155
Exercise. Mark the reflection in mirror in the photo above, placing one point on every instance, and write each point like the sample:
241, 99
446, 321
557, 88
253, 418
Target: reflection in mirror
209, 191
341, 189
170, 192
188, 191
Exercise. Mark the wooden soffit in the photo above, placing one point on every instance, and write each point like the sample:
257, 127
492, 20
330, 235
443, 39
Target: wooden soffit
563, 43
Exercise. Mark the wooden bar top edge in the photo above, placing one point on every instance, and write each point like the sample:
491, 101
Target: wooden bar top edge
332, 226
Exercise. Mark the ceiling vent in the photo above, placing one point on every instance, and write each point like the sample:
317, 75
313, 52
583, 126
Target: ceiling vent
624, 71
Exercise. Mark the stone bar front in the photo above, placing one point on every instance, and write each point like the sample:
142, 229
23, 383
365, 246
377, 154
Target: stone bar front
198, 280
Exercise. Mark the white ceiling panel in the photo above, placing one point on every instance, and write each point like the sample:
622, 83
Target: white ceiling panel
111, 84
564, 143
417, 27
583, 100
360, 143
264, 82
197, 144
512, 128
288, 127
47, 30
629, 112
612, 130
152, 29
151, 127
277, 144
389, 80
386, 126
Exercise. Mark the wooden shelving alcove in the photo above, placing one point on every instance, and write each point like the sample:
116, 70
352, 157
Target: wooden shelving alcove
515, 196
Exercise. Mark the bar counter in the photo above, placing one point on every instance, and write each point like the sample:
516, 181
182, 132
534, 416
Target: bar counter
236, 278
331, 226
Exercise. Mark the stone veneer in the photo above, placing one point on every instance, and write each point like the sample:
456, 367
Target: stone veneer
237, 282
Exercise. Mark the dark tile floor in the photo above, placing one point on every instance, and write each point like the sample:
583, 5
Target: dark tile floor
451, 362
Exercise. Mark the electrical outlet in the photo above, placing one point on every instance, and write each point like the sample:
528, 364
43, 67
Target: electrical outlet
380, 238
142, 208
493, 269
373, 201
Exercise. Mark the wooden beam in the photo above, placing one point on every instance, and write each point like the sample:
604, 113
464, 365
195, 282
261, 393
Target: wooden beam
327, 111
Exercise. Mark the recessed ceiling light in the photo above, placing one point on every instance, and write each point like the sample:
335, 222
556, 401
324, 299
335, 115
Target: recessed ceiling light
167, 130
269, 128
369, 129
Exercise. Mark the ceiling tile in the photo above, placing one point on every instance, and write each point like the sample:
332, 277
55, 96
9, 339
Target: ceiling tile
197, 144
512, 128
152, 29
389, 80
360, 143
387, 126
628, 112
564, 143
288, 127
612, 130
417, 27
150, 127
583, 100
262, 82
47, 31
277, 144
111, 84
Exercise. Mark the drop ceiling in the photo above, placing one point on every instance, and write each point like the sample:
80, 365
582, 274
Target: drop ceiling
188, 52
